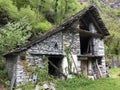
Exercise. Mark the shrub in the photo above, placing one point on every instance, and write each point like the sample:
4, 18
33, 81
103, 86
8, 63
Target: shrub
42, 26
28, 13
14, 34
7, 11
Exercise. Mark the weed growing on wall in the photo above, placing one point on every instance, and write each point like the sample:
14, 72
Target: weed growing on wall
42, 74
67, 50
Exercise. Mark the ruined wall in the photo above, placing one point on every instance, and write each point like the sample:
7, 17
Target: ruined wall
26, 66
71, 39
22, 76
53, 45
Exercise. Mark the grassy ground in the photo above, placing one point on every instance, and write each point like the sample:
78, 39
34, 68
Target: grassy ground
82, 84
114, 73
112, 83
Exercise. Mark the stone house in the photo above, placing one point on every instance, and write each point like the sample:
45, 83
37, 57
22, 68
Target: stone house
80, 39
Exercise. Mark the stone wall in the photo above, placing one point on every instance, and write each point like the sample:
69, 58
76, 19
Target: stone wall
10, 64
98, 47
35, 55
71, 39
25, 67
55, 44
51, 45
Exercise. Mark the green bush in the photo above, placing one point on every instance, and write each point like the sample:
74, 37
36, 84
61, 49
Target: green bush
4, 78
28, 13
14, 34
42, 26
7, 11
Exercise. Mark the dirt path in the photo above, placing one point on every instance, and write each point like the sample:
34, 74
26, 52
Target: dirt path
115, 76
2, 87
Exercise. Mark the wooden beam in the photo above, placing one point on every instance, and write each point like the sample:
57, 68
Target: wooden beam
87, 33
74, 63
84, 22
57, 69
99, 70
95, 23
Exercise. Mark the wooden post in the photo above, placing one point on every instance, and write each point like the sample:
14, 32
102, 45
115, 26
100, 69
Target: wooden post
99, 69
74, 63
84, 67
112, 63
57, 69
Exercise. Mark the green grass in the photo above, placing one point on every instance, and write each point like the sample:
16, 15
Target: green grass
103, 84
112, 83
114, 72
86, 84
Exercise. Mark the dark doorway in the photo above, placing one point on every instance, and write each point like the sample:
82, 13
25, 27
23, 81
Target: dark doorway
57, 61
85, 45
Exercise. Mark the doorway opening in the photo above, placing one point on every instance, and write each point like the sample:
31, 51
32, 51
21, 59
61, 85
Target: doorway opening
56, 60
85, 45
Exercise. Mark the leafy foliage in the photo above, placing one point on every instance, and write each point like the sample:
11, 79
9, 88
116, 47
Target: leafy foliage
42, 27
7, 12
14, 34
21, 3
27, 13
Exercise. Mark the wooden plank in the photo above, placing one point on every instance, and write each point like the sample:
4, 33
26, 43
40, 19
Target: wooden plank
74, 63
13, 78
96, 24
99, 69
57, 69
87, 33
12, 83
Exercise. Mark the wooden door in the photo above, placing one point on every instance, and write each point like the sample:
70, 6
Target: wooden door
84, 67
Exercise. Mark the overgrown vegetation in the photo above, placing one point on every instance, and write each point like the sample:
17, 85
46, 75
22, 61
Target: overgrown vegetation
42, 77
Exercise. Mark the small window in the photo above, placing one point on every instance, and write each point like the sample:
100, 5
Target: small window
56, 45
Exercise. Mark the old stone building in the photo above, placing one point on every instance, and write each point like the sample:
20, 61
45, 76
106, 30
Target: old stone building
78, 42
